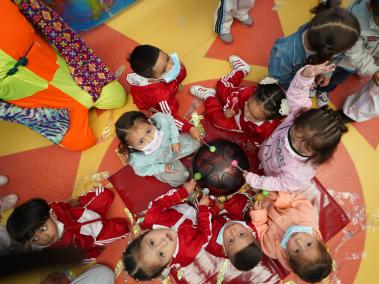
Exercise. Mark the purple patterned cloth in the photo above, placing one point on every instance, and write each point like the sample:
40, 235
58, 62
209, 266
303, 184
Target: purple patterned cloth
88, 71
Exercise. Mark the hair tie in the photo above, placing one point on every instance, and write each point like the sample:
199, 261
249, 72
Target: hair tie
268, 81
284, 108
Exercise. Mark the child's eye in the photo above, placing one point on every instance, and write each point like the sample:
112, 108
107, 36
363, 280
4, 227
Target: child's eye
242, 234
230, 241
309, 244
152, 242
161, 254
140, 141
149, 131
43, 228
297, 250
34, 240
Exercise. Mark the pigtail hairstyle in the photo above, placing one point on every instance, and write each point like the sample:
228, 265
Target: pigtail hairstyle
333, 30
322, 130
143, 58
133, 266
27, 218
313, 271
270, 96
124, 125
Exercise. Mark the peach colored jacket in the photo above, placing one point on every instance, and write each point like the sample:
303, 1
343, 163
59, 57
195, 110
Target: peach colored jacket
271, 224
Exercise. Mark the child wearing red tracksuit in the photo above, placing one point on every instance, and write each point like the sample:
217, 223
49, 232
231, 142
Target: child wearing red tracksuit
62, 224
255, 110
155, 83
177, 231
234, 238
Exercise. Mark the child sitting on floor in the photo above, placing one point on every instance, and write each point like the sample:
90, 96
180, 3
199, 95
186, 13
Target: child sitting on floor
78, 223
154, 146
255, 110
304, 140
176, 233
156, 82
288, 231
232, 237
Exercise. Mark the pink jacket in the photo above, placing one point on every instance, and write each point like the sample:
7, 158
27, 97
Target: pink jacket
288, 209
285, 170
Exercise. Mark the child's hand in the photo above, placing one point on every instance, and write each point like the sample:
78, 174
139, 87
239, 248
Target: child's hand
229, 113
257, 205
175, 147
190, 186
245, 173
273, 195
322, 80
204, 200
195, 133
167, 168
311, 71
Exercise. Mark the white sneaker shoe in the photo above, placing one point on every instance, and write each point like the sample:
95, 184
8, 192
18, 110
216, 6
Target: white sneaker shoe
202, 92
238, 64
322, 99
8, 201
248, 22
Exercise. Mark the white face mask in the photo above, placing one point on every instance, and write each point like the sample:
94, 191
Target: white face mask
154, 144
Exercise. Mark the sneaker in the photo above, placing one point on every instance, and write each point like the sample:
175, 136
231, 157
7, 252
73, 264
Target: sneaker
7, 202
227, 38
238, 64
322, 99
248, 22
312, 92
202, 92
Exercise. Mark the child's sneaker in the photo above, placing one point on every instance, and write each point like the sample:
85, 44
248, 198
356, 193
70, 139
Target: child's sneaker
238, 64
227, 38
248, 22
202, 92
322, 99
7, 202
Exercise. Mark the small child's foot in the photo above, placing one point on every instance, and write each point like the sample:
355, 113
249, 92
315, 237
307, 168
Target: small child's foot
8, 201
248, 22
202, 92
238, 64
227, 38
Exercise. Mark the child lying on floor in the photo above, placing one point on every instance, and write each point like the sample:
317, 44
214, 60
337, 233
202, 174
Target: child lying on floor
79, 223
232, 237
288, 231
176, 232
255, 110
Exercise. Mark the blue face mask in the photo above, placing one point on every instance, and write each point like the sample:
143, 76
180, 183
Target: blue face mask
173, 73
292, 230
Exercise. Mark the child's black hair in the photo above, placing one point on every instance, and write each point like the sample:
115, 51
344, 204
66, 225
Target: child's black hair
270, 96
124, 124
27, 218
143, 58
374, 5
247, 258
133, 266
313, 271
333, 30
322, 130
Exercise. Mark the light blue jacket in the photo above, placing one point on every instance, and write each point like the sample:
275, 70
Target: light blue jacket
287, 57
148, 165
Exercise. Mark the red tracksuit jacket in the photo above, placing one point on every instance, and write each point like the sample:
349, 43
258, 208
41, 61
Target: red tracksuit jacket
84, 225
158, 96
193, 226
